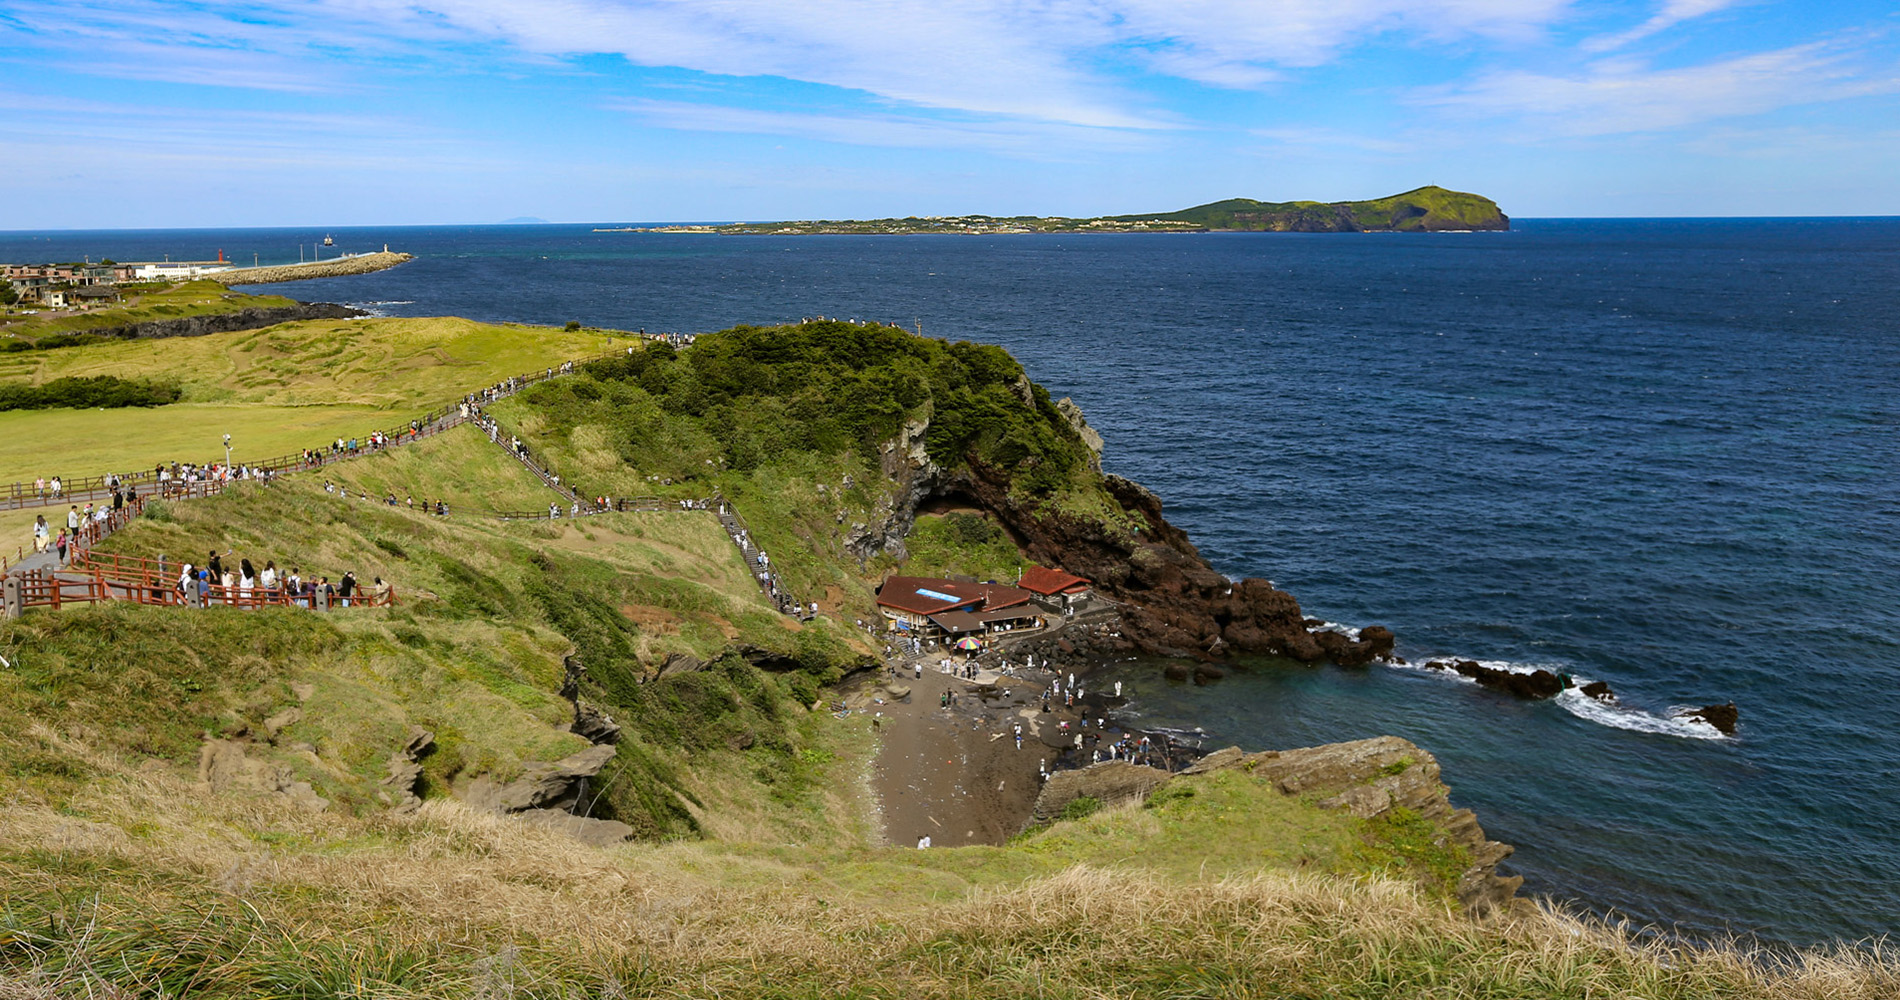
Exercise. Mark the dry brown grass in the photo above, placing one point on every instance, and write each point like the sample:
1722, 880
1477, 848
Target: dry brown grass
469, 892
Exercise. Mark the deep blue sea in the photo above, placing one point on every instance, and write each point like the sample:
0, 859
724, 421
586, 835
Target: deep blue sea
1657, 453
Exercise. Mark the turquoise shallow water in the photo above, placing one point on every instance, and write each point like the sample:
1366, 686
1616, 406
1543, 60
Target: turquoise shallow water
1656, 453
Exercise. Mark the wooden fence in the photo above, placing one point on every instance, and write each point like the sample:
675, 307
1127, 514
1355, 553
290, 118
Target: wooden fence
94, 578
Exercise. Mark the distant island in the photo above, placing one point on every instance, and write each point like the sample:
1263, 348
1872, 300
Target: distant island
1428, 209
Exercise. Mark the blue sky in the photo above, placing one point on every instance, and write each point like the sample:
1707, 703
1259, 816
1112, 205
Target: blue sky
154, 113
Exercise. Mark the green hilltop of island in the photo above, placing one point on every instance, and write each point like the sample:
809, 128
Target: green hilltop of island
1429, 209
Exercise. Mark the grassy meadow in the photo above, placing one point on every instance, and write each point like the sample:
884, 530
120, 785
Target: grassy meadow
275, 391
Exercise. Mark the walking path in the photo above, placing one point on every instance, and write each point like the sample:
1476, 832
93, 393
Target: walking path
48, 584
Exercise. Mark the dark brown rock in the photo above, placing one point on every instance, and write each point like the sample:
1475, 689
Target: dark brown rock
1599, 690
1171, 602
1533, 685
1723, 717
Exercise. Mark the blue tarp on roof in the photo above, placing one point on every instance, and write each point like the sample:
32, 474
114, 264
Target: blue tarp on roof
938, 596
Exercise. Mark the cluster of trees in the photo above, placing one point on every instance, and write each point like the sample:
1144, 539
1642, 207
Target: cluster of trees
752, 395
55, 340
108, 391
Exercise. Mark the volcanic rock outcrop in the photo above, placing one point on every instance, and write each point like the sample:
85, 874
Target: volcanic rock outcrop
1367, 778
1174, 603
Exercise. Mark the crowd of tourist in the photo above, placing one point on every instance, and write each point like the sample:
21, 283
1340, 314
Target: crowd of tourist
217, 581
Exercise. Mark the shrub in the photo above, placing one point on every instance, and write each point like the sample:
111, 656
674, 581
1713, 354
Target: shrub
108, 391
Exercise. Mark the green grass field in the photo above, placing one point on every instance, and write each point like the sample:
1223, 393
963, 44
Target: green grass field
80, 443
390, 363
276, 391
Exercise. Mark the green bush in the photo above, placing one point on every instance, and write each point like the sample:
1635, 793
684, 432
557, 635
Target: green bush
753, 396
107, 391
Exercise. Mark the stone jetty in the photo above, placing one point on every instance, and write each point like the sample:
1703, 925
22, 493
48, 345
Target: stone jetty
336, 268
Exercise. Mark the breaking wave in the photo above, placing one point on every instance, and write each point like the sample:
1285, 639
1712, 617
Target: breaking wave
1612, 714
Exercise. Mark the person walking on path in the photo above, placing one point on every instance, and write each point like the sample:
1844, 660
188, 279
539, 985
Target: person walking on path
41, 534
380, 592
59, 547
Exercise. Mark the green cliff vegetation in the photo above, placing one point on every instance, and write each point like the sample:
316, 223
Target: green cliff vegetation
1423, 209
162, 769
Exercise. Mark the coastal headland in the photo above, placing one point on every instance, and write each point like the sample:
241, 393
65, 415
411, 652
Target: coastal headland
1421, 210
591, 755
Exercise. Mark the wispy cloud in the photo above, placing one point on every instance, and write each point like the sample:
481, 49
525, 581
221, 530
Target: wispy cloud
1627, 95
1035, 61
1038, 140
1673, 12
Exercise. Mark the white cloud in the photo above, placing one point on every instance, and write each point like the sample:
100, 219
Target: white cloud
1673, 12
1626, 95
1036, 140
1040, 60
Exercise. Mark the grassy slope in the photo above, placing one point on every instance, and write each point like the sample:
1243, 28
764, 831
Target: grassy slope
460, 466
191, 298
276, 390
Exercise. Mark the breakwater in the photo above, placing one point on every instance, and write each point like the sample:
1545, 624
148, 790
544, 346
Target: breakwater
341, 266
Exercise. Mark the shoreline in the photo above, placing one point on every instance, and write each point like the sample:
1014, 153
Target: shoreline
954, 772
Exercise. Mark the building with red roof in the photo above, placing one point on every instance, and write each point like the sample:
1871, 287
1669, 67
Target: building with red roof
1046, 582
914, 600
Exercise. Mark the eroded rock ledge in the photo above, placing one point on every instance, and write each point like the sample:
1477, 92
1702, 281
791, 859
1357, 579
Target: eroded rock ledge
1367, 778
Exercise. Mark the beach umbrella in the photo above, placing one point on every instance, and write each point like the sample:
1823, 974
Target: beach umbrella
972, 642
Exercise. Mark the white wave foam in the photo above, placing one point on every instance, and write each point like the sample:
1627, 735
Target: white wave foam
1581, 705
1606, 714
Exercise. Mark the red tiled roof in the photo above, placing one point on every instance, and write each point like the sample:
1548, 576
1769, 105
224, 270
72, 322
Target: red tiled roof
1047, 581
924, 595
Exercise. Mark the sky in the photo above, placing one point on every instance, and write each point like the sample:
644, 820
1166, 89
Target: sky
165, 113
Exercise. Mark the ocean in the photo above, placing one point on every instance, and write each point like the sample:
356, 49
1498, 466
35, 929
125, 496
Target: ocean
1658, 453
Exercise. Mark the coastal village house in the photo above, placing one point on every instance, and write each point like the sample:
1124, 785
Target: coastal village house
53, 284
955, 608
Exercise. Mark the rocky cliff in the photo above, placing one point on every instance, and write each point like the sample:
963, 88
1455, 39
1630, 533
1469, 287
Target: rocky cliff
242, 319
1370, 779
1174, 603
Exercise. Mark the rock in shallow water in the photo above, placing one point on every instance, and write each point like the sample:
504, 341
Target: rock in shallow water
1723, 717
